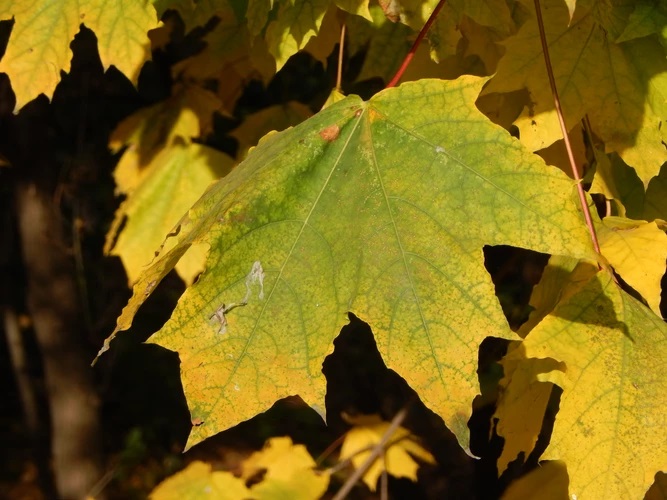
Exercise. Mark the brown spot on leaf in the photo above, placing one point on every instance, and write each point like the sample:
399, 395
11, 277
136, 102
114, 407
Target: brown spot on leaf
197, 421
330, 133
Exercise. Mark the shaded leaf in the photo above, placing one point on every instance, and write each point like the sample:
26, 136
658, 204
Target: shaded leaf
397, 459
38, 47
548, 481
386, 219
170, 184
257, 125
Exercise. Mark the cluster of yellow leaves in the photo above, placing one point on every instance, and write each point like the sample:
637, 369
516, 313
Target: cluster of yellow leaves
285, 470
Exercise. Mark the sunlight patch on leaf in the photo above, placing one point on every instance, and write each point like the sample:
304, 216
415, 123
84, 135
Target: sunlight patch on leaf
627, 104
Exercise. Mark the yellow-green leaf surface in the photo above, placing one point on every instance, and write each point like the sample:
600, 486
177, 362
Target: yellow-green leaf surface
626, 105
546, 482
198, 481
397, 459
288, 472
637, 250
611, 423
38, 47
257, 125
380, 208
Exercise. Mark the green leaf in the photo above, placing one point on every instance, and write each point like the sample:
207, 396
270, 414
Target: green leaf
38, 47
611, 353
649, 16
381, 208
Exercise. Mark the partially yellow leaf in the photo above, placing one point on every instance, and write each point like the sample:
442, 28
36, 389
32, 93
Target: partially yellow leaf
522, 404
625, 104
295, 24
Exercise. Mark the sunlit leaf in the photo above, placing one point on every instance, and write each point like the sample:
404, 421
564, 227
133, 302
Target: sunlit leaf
638, 251
626, 105
397, 459
296, 22
381, 208
39, 45
612, 350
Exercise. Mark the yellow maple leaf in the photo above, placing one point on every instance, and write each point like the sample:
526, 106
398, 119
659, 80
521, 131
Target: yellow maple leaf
637, 250
289, 471
397, 459
197, 480
38, 47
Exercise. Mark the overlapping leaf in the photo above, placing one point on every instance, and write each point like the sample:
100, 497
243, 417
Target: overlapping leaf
380, 208
609, 353
626, 105
162, 173
38, 48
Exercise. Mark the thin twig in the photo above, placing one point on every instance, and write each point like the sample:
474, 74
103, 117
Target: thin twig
341, 47
415, 45
563, 128
379, 448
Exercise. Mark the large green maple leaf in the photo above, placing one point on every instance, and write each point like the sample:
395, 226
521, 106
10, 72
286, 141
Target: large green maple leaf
38, 47
620, 86
380, 208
